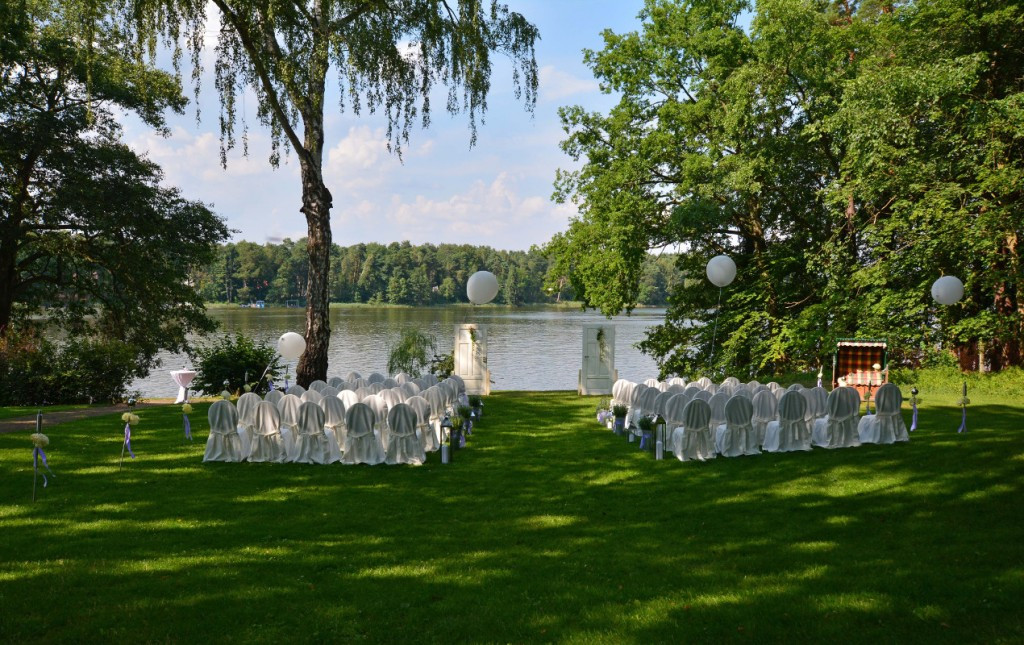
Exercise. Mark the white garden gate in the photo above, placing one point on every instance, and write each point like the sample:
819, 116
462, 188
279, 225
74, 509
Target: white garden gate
598, 373
471, 358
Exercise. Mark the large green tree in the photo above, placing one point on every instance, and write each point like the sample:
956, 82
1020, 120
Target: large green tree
86, 228
840, 152
387, 55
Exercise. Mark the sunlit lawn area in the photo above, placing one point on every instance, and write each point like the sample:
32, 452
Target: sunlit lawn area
546, 528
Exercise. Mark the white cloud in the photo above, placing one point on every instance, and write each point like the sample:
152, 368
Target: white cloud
360, 160
556, 84
494, 213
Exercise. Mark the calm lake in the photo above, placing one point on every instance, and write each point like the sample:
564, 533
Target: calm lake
529, 348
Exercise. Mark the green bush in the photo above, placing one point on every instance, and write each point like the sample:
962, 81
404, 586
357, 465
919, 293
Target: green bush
36, 371
442, 365
412, 353
230, 359
1008, 383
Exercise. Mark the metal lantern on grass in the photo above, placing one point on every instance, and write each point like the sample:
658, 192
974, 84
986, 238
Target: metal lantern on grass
446, 439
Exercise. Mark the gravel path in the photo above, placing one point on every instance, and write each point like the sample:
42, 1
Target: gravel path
16, 424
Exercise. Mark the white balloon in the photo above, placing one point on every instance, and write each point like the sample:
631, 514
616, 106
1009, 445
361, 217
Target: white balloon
291, 345
482, 287
947, 290
721, 270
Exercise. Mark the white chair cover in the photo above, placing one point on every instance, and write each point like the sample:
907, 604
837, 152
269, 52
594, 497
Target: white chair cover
795, 387
348, 398
635, 410
703, 382
886, 425
725, 389
363, 392
811, 411
312, 445
223, 444
402, 378
435, 397
839, 428
821, 402
404, 446
410, 389
425, 430
335, 382
460, 384
329, 391
717, 403
621, 391
391, 397
676, 388
334, 419
296, 389
648, 403
737, 437
429, 379
267, 444
361, 444
694, 440
674, 414
311, 396
676, 380
389, 383
246, 405
731, 381
791, 432
288, 408
703, 395
652, 382
380, 413
661, 401
353, 376
317, 385
376, 377
744, 391
273, 396
766, 410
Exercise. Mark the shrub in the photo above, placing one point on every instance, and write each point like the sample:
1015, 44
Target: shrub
230, 359
411, 354
36, 371
442, 365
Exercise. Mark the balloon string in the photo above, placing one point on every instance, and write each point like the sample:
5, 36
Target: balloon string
714, 335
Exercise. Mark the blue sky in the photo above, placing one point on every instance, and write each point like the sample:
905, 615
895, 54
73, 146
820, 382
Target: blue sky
496, 194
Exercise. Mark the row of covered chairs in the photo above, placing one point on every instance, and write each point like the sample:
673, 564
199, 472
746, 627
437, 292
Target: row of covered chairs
743, 422
394, 425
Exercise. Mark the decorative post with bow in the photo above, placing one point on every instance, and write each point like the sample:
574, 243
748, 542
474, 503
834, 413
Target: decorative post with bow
185, 409
964, 402
913, 404
40, 441
129, 418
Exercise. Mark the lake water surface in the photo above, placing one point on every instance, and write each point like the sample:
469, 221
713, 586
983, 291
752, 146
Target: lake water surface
529, 348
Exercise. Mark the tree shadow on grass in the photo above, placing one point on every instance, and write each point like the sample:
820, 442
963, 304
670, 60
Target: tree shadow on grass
545, 528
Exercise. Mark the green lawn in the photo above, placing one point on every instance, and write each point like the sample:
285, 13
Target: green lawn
547, 528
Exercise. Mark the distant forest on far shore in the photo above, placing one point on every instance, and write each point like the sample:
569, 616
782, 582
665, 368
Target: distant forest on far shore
401, 274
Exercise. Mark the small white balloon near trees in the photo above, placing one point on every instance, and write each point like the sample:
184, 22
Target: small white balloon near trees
482, 287
471, 339
947, 290
291, 345
721, 272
